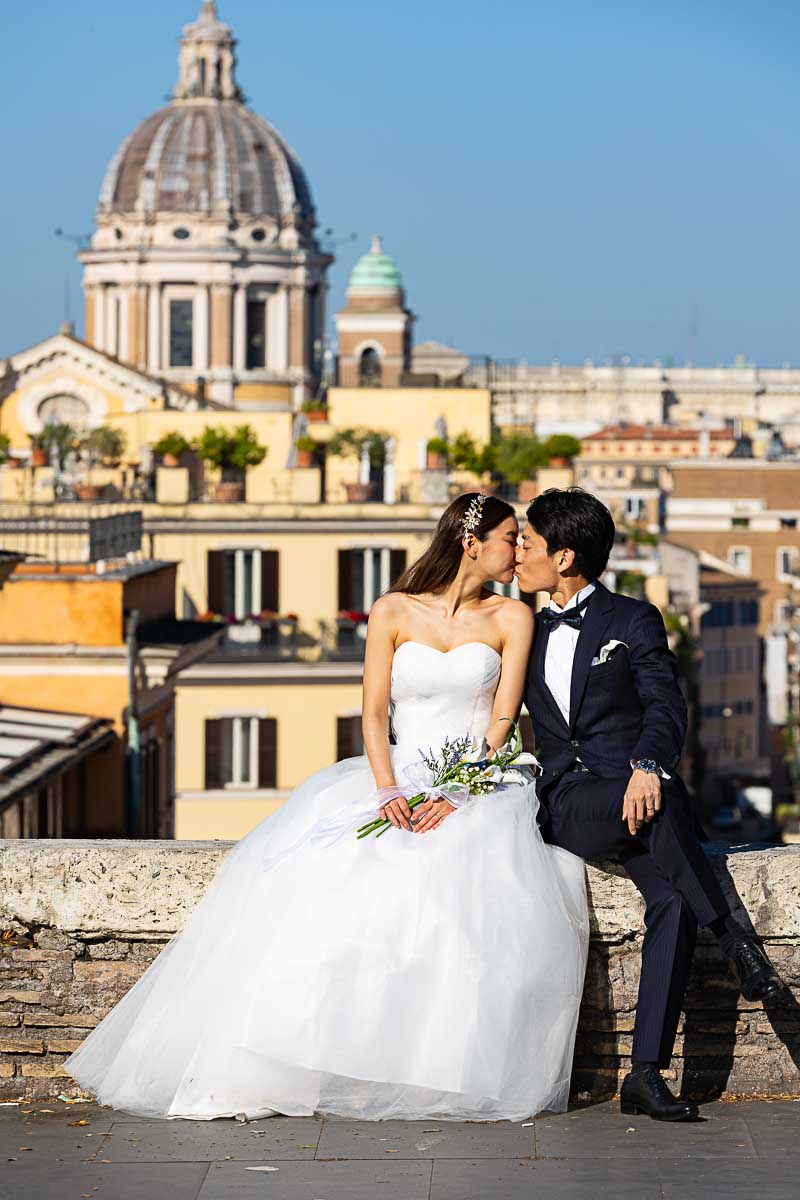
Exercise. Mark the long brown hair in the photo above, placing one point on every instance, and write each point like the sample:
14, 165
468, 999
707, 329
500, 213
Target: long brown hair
437, 567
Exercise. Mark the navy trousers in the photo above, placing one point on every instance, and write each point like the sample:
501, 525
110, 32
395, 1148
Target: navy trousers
583, 813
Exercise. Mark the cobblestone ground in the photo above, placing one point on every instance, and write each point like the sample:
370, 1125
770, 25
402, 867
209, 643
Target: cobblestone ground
748, 1150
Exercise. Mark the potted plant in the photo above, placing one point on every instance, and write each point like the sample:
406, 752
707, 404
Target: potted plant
305, 448
316, 409
5, 447
104, 444
356, 443
39, 451
437, 451
231, 452
517, 456
170, 447
560, 449
58, 439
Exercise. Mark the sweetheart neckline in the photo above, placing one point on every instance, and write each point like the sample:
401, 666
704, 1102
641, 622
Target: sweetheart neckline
452, 650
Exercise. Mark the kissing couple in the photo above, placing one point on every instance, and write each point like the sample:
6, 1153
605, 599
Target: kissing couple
437, 971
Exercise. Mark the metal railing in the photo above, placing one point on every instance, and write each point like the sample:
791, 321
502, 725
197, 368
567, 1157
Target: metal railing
97, 532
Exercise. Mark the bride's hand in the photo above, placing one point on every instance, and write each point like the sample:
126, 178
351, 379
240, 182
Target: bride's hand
396, 810
430, 814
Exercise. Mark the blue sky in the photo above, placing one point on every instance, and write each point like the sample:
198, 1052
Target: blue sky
576, 181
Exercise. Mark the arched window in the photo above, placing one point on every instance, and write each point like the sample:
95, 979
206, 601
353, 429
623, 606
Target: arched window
64, 410
369, 368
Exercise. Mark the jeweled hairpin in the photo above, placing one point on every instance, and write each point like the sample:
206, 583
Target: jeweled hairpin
472, 517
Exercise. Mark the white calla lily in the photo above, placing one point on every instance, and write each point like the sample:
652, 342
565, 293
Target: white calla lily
513, 777
477, 753
526, 759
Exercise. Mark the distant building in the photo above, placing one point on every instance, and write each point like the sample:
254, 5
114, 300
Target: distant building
374, 328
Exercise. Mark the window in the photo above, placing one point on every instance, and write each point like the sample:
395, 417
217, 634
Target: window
180, 333
242, 582
64, 409
787, 557
241, 752
740, 557
369, 368
365, 574
788, 522
634, 507
740, 522
783, 612
256, 335
349, 738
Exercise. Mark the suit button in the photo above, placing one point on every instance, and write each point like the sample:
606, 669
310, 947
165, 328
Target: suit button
575, 743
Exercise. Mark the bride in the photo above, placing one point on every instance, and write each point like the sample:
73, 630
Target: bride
435, 971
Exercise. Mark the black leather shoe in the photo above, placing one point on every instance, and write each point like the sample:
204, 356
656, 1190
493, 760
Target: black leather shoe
756, 975
647, 1093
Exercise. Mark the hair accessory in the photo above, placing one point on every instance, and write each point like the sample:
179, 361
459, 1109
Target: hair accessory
472, 517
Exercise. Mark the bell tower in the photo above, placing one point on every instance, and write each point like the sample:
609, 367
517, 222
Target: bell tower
374, 327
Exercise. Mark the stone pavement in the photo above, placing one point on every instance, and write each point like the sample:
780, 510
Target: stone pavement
748, 1150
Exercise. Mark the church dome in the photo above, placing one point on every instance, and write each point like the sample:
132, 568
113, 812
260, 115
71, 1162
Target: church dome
205, 152
375, 271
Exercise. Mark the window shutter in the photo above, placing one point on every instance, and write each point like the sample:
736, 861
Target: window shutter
270, 599
267, 752
397, 565
346, 590
215, 572
214, 730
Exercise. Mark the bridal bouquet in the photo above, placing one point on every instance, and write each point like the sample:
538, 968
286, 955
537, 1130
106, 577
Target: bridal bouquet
462, 768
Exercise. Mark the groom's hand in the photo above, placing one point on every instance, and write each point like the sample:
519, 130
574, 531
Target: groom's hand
642, 800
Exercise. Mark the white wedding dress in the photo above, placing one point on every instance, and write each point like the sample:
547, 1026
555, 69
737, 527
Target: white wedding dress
409, 976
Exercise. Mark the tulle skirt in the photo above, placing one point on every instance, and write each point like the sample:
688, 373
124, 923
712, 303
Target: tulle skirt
408, 976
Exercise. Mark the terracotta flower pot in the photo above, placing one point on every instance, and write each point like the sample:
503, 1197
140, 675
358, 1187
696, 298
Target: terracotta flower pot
527, 491
558, 461
229, 492
304, 458
39, 458
170, 460
359, 493
14, 463
317, 414
89, 491
434, 461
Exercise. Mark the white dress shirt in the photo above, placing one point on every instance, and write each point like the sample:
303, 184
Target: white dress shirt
560, 653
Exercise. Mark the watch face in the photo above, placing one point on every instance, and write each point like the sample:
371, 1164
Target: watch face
647, 764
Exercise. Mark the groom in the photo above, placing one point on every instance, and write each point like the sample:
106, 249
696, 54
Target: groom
610, 721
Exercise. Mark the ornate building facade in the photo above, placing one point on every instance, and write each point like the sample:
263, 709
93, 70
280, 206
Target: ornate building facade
205, 263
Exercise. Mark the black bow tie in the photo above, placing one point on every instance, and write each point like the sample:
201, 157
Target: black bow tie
570, 616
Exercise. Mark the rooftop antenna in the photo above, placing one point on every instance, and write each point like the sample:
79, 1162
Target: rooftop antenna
331, 243
81, 241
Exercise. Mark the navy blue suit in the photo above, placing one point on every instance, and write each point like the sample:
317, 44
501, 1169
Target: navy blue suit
628, 707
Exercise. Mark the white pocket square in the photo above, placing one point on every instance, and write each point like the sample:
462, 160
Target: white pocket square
606, 652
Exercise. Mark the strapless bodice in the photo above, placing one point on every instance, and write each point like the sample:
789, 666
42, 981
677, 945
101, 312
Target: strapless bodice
437, 694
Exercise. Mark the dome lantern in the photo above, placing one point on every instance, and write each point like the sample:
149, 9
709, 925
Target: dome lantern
207, 60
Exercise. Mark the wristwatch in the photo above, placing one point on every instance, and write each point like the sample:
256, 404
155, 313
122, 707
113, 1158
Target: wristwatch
645, 764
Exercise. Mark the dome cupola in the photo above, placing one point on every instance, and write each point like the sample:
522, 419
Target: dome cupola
375, 271
204, 261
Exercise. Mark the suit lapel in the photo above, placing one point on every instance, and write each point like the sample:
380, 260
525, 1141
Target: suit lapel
537, 671
595, 622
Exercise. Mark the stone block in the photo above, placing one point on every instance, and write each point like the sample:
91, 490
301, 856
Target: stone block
8, 1019
6, 1070
21, 1046
63, 1045
73, 1020
20, 997
44, 1070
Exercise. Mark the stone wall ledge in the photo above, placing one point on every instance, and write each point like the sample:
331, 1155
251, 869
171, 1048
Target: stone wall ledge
98, 912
